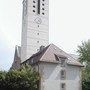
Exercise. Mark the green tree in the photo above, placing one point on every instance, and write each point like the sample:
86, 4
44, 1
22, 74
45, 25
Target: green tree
25, 78
2, 79
84, 51
84, 57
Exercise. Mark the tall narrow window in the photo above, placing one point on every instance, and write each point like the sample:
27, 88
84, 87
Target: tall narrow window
38, 11
62, 62
63, 74
63, 86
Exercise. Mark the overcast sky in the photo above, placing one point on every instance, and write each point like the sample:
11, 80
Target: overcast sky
69, 25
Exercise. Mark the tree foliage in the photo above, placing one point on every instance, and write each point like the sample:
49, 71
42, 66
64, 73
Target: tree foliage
84, 56
84, 51
25, 78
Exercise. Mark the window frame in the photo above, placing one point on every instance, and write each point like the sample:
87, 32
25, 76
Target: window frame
63, 88
63, 74
61, 60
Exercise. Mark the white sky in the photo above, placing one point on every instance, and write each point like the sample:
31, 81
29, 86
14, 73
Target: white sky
69, 25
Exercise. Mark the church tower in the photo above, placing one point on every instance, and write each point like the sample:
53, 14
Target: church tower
35, 27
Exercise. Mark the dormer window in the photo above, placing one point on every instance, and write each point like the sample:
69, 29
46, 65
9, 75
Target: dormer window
42, 4
61, 60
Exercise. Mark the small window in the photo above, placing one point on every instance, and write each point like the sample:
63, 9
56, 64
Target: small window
37, 41
43, 9
37, 33
34, 6
63, 74
43, 4
33, 10
43, 13
38, 25
63, 86
34, 2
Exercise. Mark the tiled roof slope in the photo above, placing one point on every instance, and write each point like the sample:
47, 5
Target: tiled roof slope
48, 55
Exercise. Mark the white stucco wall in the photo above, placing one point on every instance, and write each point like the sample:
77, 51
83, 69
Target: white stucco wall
50, 77
73, 78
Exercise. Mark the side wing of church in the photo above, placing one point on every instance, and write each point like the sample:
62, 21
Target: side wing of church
58, 70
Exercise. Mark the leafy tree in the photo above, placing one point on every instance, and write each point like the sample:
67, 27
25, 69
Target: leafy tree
2, 79
84, 51
25, 78
84, 56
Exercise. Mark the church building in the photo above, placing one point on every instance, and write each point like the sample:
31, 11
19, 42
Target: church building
58, 69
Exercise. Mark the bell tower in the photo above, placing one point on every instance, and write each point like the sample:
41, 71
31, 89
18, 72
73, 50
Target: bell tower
35, 27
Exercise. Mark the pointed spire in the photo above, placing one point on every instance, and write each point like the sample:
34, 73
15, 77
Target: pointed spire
17, 59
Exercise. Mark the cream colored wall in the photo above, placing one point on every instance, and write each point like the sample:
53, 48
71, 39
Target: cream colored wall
50, 77
73, 78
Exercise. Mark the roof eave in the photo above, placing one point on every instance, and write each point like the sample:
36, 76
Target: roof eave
75, 65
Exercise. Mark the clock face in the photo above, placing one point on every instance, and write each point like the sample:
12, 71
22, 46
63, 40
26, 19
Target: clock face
38, 20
